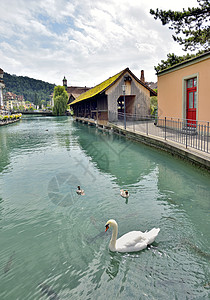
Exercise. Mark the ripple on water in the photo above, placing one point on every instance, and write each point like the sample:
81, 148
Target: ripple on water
52, 240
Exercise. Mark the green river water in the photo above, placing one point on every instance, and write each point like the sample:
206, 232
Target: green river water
52, 241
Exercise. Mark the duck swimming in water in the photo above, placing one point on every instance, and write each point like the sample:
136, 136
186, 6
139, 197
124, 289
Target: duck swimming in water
124, 194
80, 191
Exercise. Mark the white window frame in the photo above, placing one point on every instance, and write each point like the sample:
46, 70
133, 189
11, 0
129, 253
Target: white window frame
184, 94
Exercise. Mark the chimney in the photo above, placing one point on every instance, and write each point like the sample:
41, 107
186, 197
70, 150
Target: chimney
142, 76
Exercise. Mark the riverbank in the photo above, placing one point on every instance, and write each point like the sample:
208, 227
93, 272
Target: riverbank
199, 158
9, 119
196, 157
2, 123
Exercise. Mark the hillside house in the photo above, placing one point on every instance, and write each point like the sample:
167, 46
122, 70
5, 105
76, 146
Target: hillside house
12, 101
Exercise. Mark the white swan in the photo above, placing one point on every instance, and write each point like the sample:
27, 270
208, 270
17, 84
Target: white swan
124, 194
132, 241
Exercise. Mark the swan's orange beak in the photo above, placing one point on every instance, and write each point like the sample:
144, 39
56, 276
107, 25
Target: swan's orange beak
107, 227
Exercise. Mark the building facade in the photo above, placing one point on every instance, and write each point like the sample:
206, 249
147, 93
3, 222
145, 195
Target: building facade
2, 86
74, 91
183, 90
13, 101
105, 102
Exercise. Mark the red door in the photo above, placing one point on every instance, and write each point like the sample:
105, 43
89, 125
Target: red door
191, 102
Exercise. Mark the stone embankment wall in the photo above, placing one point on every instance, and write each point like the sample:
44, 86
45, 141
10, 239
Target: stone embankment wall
8, 122
9, 119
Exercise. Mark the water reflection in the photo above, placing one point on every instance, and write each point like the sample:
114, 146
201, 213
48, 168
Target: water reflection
4, 153
114, 264
9, 263
20, 137
1, 207
112, 155
193, 198
31, 134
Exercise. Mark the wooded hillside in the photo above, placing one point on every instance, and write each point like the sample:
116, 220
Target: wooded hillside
33, 90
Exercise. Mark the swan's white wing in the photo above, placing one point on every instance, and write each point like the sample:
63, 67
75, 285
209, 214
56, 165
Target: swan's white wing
136, 240
151, 235
131, 241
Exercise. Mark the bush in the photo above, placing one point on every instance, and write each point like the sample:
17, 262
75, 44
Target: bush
153, 105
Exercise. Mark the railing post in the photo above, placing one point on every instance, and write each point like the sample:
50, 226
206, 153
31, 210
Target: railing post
204, 138
207, 147
147, 127
186, 134
165, 128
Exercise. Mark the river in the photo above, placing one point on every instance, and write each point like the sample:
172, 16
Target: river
53, 244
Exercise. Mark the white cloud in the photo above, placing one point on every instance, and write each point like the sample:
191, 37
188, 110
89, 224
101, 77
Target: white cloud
87, 41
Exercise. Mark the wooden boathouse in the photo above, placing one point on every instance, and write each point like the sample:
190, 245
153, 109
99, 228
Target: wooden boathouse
105, 102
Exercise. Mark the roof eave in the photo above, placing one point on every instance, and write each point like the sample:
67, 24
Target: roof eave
123, 72
186, 62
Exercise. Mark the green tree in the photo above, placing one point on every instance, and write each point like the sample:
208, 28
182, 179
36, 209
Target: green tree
31, 89
15, 108
42, 102
153, 105
21, 108
60, 100
173, 59
36, 99
192, 24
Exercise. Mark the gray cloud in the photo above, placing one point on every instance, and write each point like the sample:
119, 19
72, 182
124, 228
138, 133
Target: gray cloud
87, 41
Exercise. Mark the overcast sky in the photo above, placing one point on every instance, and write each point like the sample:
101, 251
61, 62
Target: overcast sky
85, 40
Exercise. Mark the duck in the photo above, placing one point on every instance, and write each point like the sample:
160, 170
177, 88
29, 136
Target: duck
80, 191
124, 194
132, 241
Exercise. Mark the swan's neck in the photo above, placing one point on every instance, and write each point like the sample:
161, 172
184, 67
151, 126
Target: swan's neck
112, 244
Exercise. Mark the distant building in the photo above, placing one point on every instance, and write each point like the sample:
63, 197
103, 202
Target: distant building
29, 105
74, 91
152, 85
12, 101
2, 86
105, 102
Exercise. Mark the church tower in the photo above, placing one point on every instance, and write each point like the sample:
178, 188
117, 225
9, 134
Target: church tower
65, 82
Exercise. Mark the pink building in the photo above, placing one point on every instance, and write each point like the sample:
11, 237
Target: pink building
183, 90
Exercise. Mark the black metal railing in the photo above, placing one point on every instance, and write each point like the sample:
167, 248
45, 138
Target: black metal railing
191, 133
